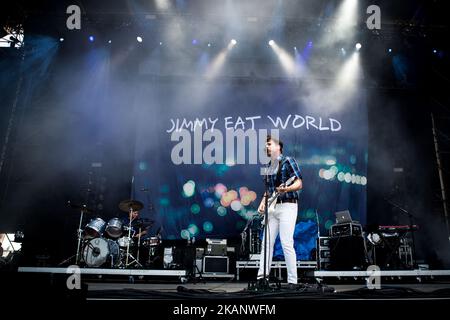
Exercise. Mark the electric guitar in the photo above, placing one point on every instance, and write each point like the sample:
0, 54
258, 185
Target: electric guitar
272, 201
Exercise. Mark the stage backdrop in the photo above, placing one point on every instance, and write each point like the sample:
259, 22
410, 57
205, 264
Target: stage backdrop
194, 185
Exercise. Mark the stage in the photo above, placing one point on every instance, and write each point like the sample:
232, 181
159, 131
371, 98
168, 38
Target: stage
153, 152
108, 292
102, 280
165, 290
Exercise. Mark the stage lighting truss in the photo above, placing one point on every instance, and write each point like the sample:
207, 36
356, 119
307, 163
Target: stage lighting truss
10, 243
12, 36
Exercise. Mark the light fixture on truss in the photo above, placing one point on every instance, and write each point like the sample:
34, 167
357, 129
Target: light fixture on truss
12, 36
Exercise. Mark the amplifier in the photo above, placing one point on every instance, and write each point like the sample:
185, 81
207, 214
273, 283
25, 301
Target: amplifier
324, 253
346, 229
216, 247
215, 264
324, 242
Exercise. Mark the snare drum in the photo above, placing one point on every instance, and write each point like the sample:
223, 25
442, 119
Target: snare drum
114, 228
125, 241
94, 228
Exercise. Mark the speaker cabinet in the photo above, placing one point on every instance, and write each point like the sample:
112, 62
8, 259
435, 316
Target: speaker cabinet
347, 253
215, 264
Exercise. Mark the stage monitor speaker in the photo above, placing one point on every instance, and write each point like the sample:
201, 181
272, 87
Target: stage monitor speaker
347, 253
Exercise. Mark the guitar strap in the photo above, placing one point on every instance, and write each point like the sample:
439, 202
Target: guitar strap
278, 179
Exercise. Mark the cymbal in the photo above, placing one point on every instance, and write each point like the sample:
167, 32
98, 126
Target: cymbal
81, 207
125, 205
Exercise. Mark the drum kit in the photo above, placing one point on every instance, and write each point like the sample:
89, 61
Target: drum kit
113, 243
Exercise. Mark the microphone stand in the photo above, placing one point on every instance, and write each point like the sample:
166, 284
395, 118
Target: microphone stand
264, 283
318, 243
411, 223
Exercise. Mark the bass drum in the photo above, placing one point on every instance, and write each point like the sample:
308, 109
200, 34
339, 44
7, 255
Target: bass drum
97, 252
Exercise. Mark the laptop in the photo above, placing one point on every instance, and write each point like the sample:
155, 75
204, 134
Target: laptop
343, 217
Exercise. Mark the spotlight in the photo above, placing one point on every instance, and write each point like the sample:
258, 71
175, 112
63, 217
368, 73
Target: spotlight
91, 38
109, 41
310, 44
194, 42
233, 42
358, 46
13, 41
271, 42
389, 50
160, 43
139, 39
434, 51
61, 39
295, 48
209, 44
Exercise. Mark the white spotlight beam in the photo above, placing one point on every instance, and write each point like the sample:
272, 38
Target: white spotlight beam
286, 60
218, 62
163, 4
347, 80
343, 27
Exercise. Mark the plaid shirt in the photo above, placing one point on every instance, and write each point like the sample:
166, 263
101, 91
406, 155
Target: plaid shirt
289, 168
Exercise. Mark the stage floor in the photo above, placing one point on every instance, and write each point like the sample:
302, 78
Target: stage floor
125, 294
237, 287
135, 284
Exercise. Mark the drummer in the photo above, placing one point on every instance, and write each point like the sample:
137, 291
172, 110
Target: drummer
135, 222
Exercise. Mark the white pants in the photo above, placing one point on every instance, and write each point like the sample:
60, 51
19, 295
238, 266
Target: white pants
282, 221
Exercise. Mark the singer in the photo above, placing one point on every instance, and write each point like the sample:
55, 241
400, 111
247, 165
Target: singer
282, 219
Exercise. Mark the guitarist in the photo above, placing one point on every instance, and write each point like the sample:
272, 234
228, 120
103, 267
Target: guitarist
281, 220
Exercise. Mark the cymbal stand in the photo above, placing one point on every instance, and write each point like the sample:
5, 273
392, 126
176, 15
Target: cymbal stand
80, 238
129, 235
134, 260
139, 244
77, 259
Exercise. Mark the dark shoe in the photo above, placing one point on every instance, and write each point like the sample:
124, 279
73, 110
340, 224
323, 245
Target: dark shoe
262, 282
292, 286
